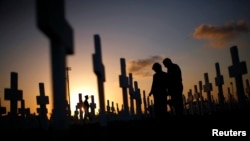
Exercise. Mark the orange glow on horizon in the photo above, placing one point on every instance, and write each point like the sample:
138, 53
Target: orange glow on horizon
74, 95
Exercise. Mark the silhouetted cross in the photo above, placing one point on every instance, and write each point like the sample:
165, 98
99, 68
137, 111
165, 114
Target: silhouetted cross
51, 21
42, 100
100, 72
237, 70
13, 94
219, 81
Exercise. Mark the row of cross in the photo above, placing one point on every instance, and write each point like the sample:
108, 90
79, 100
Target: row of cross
194, 102
51, 21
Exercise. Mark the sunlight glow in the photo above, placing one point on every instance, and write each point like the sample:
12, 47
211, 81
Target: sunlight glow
74, 96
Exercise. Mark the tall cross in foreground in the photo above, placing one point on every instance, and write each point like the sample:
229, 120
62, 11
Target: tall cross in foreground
237, 70
51, 21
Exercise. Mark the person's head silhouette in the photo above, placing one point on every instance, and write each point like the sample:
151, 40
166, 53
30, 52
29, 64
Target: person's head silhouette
167, 62
157, 67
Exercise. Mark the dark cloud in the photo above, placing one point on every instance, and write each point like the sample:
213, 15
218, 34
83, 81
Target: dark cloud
143, 67
219, 36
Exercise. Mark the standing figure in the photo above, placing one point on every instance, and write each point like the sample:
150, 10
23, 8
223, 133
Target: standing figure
159, 92
86, 108
175, 86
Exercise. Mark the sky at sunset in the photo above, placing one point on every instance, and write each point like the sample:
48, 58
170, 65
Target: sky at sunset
194, 34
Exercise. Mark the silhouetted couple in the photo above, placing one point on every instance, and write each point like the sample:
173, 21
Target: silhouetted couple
166, 84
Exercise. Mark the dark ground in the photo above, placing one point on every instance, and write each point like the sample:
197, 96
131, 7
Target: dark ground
187, 127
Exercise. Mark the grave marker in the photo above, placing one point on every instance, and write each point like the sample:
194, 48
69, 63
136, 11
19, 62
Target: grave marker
112, 107
108, 106
100, 73
123, 79
13, 94
201, 97
92, 107
208, 88
138, 100
117, 108
51, 21
197, 97
200, 89
196, 93
42, 100
237, 70
219, 81
132, 94
190, 101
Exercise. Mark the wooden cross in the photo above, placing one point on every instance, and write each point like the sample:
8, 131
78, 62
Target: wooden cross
219, 81
190, 101
200, 89
123, 79
138, 99
13, 94
196, 93
92, 106
108, 106
42, 100
207, 87
132, 94
117, 108
237, 70
51, 21
112, 107
100, 73
190, 96
198, 98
